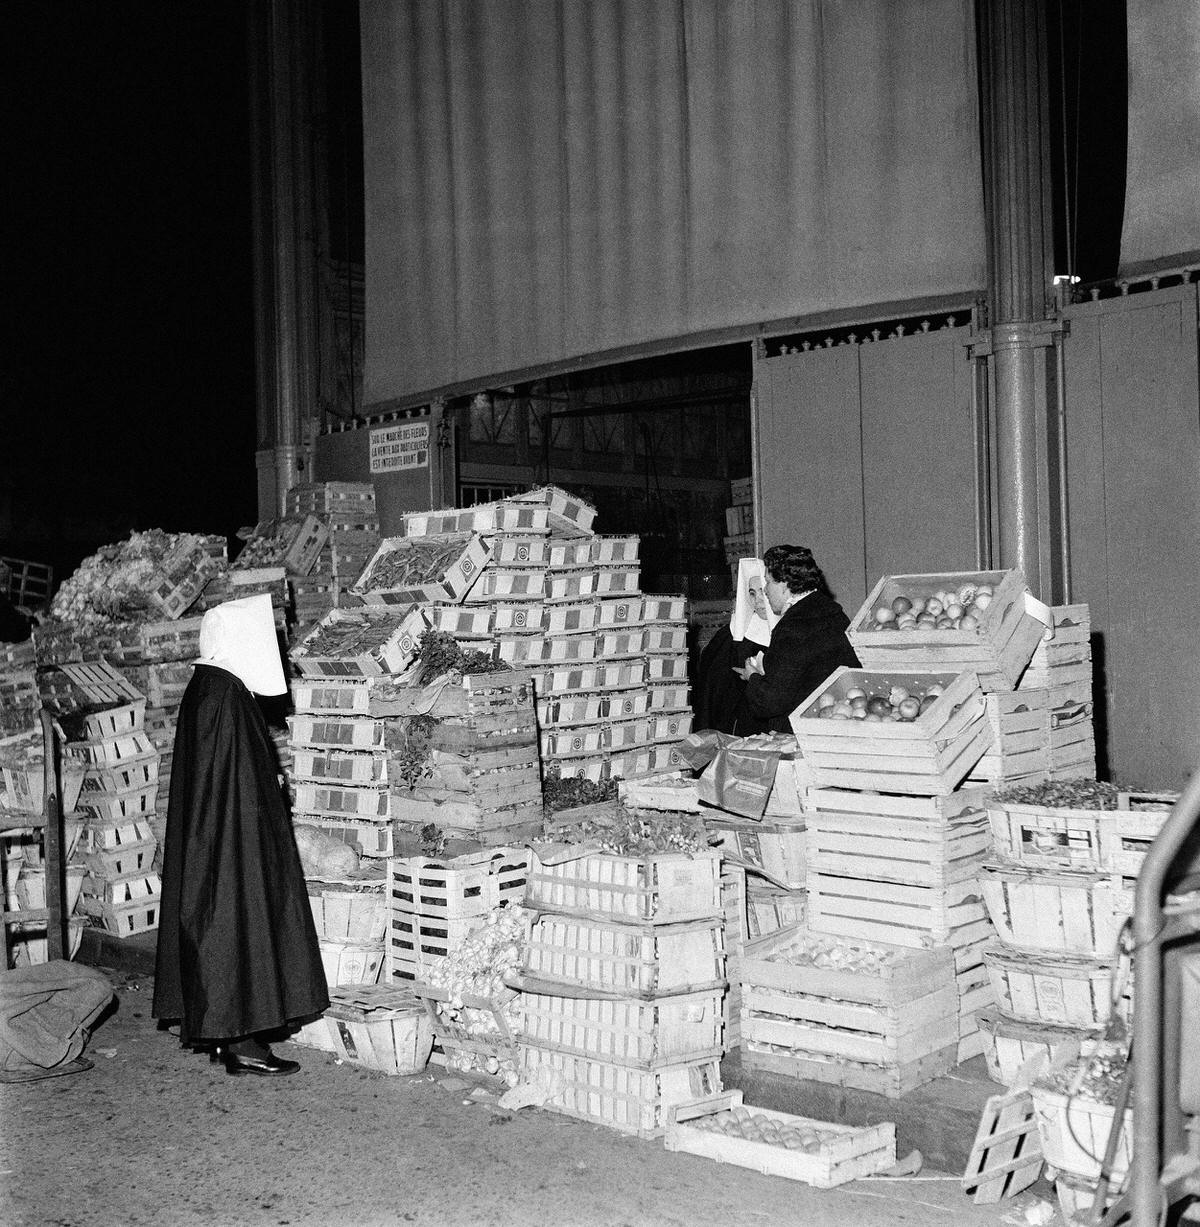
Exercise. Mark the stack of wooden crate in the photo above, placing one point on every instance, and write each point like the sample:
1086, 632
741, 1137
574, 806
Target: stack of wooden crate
19, 699
1059, 891
1061, 668
622, 985
339, 764
121, 891
467, 760
348, 511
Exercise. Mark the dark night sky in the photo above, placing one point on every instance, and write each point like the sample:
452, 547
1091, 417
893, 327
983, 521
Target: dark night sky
128, 388
128, 382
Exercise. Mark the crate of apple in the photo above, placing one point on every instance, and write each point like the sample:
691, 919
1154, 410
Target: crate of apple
947, 609
890, 703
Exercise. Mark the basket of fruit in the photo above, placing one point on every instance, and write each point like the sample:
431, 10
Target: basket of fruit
912, 732
983, 621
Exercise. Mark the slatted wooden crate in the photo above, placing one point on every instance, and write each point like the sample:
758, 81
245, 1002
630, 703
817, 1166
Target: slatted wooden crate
568, 952
928, 756
336, 732
113, 721
325, 497
778, 848
667, 639
562, 585
667, 697
489, 518
1020, 749
383, 1027
617, 613
1074, 760
1075, 1132
332, 767
566, 514
578, 709
163, 683
123, 906
345, 800
771, 908
663, 607
1064, 911
616, 581
350, 962
509, 584
414, 940
667, 668
1070, 643
643, 761
342, 696
112, 751
569, 554
371, 837
662, 889
118, 806
835, 1155
1063, 990
625, 1031
474, 1031
605, 551
1114, 841
521, 618
294, 542
622, 1097
516, 550
612, 644
353, 910
461, 621
1009, 1043
569, 617
180, 577
471, 885
366, 643
734, 905
861, 1014
107, 855
591, 678
896, 869
997, 651
1006, 1156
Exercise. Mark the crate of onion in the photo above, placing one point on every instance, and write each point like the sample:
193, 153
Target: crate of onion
983, 621
911, 732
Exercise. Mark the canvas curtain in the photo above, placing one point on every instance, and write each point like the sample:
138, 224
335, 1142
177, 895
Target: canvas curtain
553, 178
1162, 213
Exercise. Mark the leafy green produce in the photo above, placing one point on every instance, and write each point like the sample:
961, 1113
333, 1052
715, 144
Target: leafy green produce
560, 793
1080, 793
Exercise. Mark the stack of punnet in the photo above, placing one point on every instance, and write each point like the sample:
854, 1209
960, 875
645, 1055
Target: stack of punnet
624, 974
348, 511
22, 785
1061, 670
1059, 889
552, 597
339, 760
897, 830
122, 890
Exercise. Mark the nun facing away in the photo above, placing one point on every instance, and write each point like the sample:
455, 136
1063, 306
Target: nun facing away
237, 950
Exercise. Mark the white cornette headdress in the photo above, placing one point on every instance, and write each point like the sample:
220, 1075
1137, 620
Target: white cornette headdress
239, 636
746, 622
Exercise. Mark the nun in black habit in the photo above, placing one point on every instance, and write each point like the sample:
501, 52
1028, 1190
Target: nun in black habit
238, 957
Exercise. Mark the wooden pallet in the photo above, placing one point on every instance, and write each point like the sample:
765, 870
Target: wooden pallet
1006, 1157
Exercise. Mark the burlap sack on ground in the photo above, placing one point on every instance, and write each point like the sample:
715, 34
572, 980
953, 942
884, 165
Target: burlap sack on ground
46, 1012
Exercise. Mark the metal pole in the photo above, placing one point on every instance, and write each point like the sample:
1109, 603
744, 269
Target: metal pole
56, 945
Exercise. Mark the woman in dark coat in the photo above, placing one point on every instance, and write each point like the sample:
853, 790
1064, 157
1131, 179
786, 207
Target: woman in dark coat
807, 643
237, 950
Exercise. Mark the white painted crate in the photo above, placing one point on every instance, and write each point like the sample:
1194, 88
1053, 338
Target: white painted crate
349, 696
313, 765
336, 732
569, 617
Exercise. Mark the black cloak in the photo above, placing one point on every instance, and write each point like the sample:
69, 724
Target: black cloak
718, 690
237, 948
807, 644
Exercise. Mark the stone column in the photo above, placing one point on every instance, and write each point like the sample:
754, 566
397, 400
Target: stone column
1015, 131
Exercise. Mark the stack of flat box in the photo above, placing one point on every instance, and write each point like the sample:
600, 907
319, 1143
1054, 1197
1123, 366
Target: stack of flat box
1062, 668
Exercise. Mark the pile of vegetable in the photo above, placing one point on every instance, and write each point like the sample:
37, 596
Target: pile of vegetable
353, 634
1080, 793
410, 563
1096, 1075
324, 857
409, 740
439, 653
268, 543
560, 792
112, 585
632, 832
742, 1122
476, 967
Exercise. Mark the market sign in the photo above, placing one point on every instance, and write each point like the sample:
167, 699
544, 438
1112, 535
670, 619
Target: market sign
404, 446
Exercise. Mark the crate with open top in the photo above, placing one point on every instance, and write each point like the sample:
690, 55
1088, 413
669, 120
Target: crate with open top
410, 571
383, 1027
352, 908
814, 1152
915, 731
663, 888
458, 887
336, 696
987, 622
1080, 823
1061, 989
360, 643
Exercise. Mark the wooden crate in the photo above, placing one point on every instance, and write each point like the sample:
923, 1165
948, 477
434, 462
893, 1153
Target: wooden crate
583, 709
469, 1026
176, 583
566, 514
622, 1097
510, 584
354, 910
617, 613
660, 607
414, 940
471, 885
770, 908
569, 585
341, 696
630, 1031
567, 953
1115, 840
929, 756
997, 651
1009, 1044
126, 717
667, 697
383, 1027
605, 551
336, 732
1064, 911
835, 1155
616, 581
662, 889
886, 1022
1070, 643
113, 751
350, 962
117, 806
1006, 1157
901, 870
591, 678
667, 668
519, 618
372, 837
369, 643
503, 517
1075, 1133
334, 801
1063, 990
313, 765
1020, 749
668, 640
528, 550
122, 860
612, 644
734, 906
464, 622
778, 848
122, 906
568, 617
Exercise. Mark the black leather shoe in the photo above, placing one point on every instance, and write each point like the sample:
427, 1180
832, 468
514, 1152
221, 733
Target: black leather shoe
268, 1066
216, 1054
